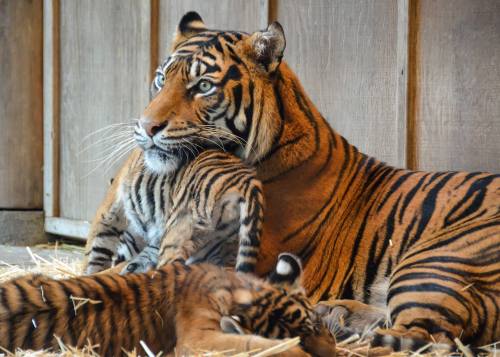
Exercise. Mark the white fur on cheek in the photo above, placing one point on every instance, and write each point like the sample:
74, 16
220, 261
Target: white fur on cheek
283, 268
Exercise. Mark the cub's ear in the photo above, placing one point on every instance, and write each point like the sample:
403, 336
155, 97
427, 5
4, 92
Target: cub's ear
230, 324
287, 273
267, 47
190, 24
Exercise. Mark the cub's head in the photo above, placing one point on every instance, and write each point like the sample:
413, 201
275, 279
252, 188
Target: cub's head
216, 89
282, 311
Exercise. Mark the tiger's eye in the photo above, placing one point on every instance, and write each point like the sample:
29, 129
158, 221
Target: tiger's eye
205, 86
160, 80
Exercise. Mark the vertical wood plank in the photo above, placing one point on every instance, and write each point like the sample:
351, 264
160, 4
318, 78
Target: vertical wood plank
412, 88
402, 52
345, 54
21, 143
458, 107
264, 13
51, 108
242, 15
105, 73
154, 37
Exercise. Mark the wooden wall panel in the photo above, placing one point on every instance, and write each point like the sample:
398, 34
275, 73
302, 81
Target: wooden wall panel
344, 52
222, 14
21, 135
458, 88
105, 49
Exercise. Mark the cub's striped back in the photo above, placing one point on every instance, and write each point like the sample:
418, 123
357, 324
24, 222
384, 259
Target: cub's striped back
215, 191
178, 306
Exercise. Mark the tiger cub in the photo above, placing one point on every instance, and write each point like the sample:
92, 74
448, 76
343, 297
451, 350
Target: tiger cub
213, 199
189, 308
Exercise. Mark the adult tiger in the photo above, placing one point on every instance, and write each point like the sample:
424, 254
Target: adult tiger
427, 243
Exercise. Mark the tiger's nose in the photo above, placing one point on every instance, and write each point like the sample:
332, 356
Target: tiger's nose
151, 127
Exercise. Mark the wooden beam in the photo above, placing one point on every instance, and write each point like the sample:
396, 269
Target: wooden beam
67, 227
154, 36
264, 13
51, 107
412, 84
402, 82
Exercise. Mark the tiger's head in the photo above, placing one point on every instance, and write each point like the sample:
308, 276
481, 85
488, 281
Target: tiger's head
214, 90
282, 312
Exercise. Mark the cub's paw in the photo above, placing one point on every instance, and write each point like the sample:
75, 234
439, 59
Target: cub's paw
138, 266
345, 318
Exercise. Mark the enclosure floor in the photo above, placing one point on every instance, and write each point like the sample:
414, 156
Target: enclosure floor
21, 257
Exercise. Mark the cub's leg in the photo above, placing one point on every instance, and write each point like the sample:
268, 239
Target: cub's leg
146, 259
105, 237
177, 243
250, 231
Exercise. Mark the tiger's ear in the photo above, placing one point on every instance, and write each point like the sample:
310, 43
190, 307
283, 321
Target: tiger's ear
190, 24
287, 273
267, 47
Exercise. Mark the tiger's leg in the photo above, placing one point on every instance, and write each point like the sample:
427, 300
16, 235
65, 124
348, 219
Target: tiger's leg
146, 259
173, 244
177, 242
251, 221
105, 238
130, 246
431, 299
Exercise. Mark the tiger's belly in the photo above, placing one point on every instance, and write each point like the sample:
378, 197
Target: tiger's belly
146, 205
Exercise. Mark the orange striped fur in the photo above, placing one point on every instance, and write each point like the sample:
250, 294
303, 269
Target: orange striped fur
177, 307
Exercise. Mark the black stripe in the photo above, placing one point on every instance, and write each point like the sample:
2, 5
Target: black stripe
428, 206
373, 264
479, 188
105, 251
448, 314
410, 195
137, 192
393, 189
428, 288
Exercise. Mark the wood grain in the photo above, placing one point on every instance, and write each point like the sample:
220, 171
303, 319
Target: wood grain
458, 108
345, 54
21, 108
105, 69
402, 63
21, 228
241, 15
51, 107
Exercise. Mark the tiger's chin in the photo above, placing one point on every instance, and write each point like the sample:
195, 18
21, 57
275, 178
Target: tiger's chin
160, 162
